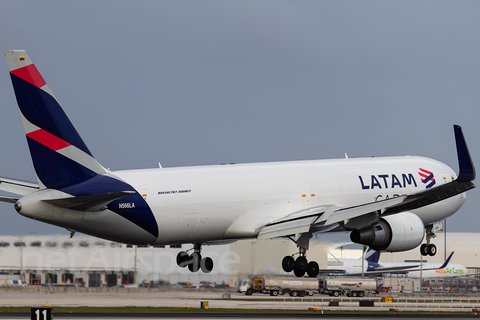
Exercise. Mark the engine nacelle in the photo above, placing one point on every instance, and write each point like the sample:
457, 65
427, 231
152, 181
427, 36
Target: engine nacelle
398, 232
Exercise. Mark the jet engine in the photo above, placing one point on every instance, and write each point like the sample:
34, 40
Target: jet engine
398, 232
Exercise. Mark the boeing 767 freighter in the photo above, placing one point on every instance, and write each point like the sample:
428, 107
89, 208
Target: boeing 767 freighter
390, 204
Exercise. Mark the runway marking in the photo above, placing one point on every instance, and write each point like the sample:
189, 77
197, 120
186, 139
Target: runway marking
445, 310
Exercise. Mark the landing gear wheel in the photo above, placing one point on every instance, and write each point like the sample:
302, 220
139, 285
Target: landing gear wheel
431, 249
182, 259
288, 264
312, 269
300, 266
206, 264
424, 250
194, 262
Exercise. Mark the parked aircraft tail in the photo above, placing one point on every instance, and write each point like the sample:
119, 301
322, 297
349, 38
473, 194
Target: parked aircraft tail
59, 154
447, 261
372, 255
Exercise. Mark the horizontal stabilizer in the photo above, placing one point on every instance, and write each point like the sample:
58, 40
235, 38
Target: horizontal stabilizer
93, 202
17, 186
9, 199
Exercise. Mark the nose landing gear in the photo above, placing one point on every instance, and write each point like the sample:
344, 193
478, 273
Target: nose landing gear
194, 261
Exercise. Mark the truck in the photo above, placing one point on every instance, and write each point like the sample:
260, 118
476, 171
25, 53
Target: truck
12, 280
351, 287
280, 285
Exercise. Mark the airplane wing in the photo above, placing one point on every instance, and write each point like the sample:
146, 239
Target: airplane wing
403, 269
413, 267
322, 219
302, 221
461, 184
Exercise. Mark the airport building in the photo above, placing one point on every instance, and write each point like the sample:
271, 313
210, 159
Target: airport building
92, 262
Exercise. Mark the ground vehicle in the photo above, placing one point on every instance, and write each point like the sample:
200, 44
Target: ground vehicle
351, 287
280, 285
15, 283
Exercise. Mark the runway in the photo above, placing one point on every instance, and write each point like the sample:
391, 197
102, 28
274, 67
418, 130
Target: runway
220, 316
190, 300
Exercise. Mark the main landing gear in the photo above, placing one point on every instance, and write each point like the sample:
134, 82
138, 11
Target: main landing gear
194, 261
428, 249
300, 266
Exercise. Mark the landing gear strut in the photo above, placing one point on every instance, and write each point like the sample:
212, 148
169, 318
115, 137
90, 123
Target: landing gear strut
428, 249
194, 261
300, 266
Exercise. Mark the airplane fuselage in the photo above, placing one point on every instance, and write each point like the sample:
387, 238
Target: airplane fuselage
386, 203
228, 202
354, 266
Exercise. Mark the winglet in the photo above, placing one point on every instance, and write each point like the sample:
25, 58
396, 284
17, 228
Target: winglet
467, 170
446, 261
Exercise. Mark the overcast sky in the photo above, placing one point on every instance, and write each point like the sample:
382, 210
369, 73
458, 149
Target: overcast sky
190, 83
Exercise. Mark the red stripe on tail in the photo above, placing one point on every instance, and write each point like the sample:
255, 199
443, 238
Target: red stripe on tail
48, 139
30, 74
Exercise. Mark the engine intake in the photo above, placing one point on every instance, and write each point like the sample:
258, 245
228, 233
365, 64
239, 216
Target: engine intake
398, 232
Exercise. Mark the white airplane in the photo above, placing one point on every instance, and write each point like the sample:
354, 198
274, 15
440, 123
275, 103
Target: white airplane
372, 266
386, 203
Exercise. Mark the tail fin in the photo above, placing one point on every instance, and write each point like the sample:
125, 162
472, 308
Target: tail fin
447, 261
372, 255
58, 152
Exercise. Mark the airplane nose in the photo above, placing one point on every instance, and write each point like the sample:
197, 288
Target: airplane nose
18, 206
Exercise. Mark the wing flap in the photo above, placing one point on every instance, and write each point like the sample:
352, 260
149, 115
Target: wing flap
287, 228
353, 212
302, 221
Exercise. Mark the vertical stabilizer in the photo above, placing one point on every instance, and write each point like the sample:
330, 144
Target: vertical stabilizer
372, 255
58, 152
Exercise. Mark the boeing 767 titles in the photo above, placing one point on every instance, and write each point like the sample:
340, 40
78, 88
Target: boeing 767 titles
390, 204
